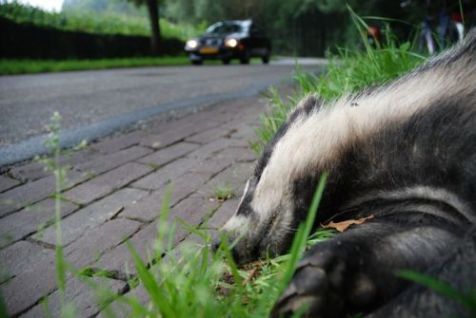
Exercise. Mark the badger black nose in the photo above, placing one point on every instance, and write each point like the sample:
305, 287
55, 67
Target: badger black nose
216, 245
219, 243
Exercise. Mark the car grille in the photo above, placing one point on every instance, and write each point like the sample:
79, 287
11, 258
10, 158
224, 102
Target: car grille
212, 42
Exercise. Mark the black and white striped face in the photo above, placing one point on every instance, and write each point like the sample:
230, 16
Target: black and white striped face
265, 219
315, 138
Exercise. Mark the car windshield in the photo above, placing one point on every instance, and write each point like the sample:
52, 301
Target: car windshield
224, 28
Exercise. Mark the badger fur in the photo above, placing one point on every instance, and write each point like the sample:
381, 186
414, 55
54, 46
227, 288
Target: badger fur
404, 153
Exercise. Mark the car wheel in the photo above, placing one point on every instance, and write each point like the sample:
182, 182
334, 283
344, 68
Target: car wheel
245, 59
265, 59
226, 61
197, 62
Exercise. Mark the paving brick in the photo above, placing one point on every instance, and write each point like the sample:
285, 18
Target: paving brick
120, 258
7, 183
148, 208
106, 183
245, 131
168, 138
91, 216
159, 178
118, 309
178, 168
95, 241
38, 280
219, 115
28, 220
191, 243
100, 164
234, 177
19, 257
79, 294
223, 214
168, 154
210, 135
30, 171
36, 170
209, 166
23, 291
35, 191
193, 211
121, 142
26, 194
208, 150
235, 155
178, 132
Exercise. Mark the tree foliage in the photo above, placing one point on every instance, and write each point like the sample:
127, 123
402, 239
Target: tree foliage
104, 6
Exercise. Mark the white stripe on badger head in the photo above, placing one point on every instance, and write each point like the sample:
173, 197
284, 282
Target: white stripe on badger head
236, 220
238, 224
312, 143
245, 191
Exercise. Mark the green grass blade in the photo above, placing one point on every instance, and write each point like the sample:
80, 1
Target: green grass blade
304, 231
151, 285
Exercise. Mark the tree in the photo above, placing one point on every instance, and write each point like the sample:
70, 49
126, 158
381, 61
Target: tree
153, 10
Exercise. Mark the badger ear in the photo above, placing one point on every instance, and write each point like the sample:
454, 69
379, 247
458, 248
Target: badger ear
308, 104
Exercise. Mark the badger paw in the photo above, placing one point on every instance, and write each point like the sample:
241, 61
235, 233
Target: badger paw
325, 285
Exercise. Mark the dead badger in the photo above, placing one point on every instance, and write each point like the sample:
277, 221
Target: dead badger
404, 153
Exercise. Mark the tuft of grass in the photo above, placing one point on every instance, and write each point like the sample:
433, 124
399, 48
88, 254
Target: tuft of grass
26, 66
223, 192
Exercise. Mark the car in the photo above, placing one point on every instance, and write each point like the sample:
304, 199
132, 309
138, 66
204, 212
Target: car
227, 40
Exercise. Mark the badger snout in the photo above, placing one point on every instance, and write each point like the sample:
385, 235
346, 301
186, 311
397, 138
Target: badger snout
238, 254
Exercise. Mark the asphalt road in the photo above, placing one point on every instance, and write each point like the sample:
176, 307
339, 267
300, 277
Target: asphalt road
96, 103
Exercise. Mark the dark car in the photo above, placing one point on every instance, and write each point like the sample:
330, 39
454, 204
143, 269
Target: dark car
227, 40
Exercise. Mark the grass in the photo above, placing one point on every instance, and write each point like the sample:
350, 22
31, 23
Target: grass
22, 66
223, 192
26, 66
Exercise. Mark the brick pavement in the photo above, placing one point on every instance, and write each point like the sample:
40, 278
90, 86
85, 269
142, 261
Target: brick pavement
113, 195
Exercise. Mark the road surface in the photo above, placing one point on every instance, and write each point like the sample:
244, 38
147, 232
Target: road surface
96, 103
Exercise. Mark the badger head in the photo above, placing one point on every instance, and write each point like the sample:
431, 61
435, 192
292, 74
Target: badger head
270, 208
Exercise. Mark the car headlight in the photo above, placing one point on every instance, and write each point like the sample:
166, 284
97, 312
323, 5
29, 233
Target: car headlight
191, 44
231, 43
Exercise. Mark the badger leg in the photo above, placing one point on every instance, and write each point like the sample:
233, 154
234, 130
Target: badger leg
355, 271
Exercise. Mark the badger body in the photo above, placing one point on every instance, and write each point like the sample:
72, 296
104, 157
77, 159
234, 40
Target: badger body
403, 153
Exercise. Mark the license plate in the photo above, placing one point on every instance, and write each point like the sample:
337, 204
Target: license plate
208, 50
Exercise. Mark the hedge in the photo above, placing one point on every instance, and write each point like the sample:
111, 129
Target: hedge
35, 42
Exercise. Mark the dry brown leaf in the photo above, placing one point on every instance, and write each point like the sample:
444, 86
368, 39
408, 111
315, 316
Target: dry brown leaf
344, 225
253, 273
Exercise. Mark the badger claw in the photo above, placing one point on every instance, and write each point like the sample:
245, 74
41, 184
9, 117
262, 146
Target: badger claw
315, 289
302, 294
325, 284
